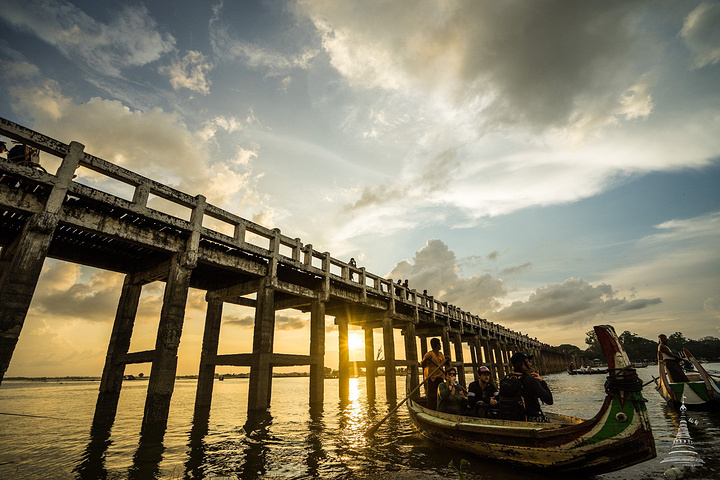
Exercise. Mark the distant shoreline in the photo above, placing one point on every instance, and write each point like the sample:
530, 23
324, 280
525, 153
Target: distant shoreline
74, 378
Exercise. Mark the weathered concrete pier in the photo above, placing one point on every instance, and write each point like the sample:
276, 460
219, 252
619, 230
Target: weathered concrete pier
46, 215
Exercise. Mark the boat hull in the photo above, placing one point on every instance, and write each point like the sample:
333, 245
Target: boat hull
701, 393
594, 446
617, 437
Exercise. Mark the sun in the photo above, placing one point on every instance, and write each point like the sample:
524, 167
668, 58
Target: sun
356, 343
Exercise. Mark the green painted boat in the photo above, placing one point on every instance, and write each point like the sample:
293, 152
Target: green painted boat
617, 437
702, 392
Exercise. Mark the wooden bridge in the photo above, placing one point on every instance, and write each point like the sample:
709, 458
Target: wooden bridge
235, 261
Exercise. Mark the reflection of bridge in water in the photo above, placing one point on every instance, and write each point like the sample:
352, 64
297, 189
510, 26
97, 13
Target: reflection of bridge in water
195, 244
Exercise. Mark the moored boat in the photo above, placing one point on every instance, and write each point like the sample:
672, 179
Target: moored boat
617, 437
591, 371
701, 392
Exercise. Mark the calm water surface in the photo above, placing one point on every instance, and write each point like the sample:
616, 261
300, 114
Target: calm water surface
45, 434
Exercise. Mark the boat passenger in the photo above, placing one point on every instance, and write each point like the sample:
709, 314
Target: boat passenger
452, 397
529, 386
671, 360
430, 362
481, 394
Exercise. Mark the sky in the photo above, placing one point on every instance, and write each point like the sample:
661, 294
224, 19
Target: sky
547, 165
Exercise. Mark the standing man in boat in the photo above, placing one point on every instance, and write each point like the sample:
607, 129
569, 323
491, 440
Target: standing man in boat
671, 361
430, 362
532, 388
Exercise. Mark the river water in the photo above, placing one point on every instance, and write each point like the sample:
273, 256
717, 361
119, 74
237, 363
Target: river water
45, 434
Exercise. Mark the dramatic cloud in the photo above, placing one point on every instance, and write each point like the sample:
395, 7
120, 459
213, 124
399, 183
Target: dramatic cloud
573, 301
155, 143
62, 292
131, 38
189, 72
547, 63
701, 32
435, 269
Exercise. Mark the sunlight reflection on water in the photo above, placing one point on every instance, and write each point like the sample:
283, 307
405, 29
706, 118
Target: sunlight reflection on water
290, 442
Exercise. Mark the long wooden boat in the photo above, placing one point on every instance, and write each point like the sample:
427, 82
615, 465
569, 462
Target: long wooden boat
702, 392
594, 371
617, 437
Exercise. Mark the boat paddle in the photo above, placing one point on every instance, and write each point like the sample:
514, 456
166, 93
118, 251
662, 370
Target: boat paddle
371, 431
650, 381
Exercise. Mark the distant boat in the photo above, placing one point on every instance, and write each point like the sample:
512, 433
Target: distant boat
702, 392
588, 372
617, 437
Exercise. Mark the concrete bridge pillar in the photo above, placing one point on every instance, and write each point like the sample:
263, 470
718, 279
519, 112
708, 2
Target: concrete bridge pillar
206, 375
164, 363
389, 346
22, 261
459, 358
370, 368
260, 385
411, 355
496, 358
423, 345
488, 359
317, 351
112, 376
445, 340
343, 357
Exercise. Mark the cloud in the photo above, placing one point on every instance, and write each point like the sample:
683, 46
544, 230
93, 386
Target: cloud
712, 306
701, 33
154, 143
189, 72
130, 39
61, 292
228, 47
544, 64
435, 268
573, 301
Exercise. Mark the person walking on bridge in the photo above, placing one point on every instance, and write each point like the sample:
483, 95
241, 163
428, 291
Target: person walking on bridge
430, 362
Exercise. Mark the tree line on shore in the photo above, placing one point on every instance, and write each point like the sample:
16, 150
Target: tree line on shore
641, 349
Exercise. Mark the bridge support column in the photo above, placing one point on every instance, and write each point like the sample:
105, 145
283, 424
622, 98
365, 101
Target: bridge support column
496, 355
389, 346
488, 359
22, 261
206, 375
164, 365
112, 376
445, 340
343, 358
474, 356
317, 351
411, 355
260, 385
423, 345
459, 358
370, 369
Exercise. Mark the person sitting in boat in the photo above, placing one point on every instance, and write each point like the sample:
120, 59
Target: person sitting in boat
481, 394
433, 375
521, 392
672, 361
452, 397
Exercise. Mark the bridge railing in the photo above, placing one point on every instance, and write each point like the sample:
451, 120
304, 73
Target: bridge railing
240, 233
